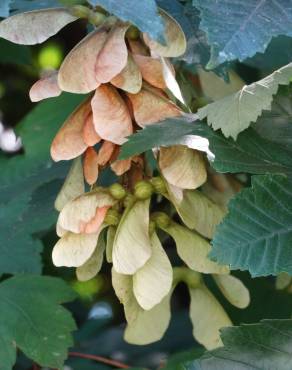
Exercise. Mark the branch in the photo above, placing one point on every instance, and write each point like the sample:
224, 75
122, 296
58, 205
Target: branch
100, 359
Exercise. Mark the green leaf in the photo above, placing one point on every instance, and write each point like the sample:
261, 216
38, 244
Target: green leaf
143, 14
234, 113
20, 219
28, 5
277, 54
251, 152
166, 133
177, 360
239, 30
33, 320
4, 8
256, 234
198, 50
14, 54
265, 345
37, 130
275, 125
29, 187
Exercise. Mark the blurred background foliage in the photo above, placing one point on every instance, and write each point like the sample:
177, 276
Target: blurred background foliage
98, 313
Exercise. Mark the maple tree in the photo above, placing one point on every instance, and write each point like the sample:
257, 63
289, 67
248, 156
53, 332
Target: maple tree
161, 169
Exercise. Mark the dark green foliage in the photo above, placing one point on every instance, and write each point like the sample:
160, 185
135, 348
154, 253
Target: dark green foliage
266, 345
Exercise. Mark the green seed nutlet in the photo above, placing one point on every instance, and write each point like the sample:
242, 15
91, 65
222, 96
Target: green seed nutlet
143, 190
133, 33
96, 18
117, 191
161, 219
158, 185
80, 11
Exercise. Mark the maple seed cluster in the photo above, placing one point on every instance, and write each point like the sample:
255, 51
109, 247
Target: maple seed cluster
127, 76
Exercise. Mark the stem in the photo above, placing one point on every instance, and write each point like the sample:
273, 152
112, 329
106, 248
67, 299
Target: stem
100, 359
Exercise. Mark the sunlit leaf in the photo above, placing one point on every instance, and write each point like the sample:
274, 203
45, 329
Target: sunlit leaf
236, 112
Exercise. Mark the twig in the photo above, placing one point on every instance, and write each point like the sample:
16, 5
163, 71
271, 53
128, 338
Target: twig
100, 359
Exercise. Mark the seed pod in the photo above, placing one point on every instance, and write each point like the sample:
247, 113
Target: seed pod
174, 36
233, 290
46, 87
90, 166
197, 211
208, 317
193, 249
143, 327
69, 143
80, 214
93, 265
182, 167
73, 250
153, 281
73, 185
132, 246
